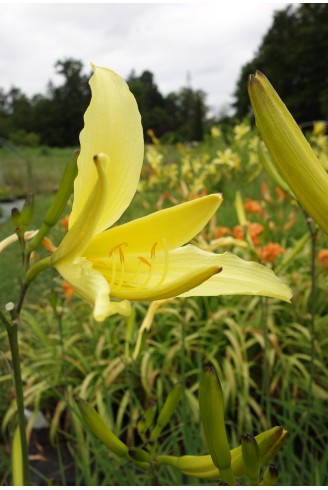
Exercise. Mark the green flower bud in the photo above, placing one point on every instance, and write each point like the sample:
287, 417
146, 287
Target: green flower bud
27, 211
211, 408
167, 411
251, 458
289, 149
271, 475
100, 429
16, 218
146, 420
58, 204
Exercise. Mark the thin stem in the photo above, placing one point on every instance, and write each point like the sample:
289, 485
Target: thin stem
312, 326
265, 363
21, 298
13, 341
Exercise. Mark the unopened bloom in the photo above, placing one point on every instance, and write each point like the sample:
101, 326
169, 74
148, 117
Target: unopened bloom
143, 259
290, 151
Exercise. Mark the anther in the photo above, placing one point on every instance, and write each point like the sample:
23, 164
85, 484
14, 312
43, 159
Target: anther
117, 247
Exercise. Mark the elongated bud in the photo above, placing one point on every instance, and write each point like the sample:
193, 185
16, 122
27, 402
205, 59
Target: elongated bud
16, 218
212, 415
17, 459
167, 411
274, 448
290, 151
146, 420
100, 429
27, 211
58, 204
271, 475
203, 466
65, 190
150, 414
240, 209
251, 458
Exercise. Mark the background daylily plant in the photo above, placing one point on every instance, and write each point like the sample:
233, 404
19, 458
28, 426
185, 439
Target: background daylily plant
157, 258
144, 259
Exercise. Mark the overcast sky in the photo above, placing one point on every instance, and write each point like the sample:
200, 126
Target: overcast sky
210, 42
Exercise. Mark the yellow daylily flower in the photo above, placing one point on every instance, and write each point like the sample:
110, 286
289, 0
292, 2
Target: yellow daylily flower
290, 151
143, 259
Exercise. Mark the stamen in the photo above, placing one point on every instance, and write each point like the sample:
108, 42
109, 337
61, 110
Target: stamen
149, 264
116, 247
144, 261
111, 253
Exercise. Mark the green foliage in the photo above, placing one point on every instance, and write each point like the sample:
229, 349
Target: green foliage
293, 56
272, 366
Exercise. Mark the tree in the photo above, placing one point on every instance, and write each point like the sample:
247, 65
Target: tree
293, 55
151, 102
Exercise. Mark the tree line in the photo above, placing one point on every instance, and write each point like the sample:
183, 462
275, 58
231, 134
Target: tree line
292, 54
56, 118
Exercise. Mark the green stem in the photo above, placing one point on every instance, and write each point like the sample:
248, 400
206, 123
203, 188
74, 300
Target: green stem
13, 341
265, 361
312, 327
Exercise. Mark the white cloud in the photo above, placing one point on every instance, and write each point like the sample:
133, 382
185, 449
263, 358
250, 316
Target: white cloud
209, 41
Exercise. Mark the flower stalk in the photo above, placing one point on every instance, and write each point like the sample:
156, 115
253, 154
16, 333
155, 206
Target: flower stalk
12, 330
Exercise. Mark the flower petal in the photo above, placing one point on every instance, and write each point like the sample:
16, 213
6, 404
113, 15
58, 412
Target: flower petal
239, 276
92, 286
112, 126
84, 228
170, 227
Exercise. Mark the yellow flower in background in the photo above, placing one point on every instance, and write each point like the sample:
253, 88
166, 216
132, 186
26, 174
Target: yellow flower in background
215, 132
319, 127
143, 259
290, 151
240, 130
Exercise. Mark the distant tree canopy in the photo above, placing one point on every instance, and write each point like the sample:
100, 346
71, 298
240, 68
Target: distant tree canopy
56, 118
294, 56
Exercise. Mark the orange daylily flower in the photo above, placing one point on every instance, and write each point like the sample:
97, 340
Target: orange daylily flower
281, 194
254, 229
322, 258
252, 206
270, 252
222, 231
64, 222
68, 290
